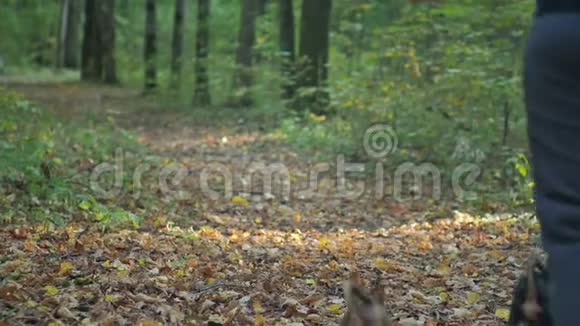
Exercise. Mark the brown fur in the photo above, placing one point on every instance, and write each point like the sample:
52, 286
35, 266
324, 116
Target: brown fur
364, 308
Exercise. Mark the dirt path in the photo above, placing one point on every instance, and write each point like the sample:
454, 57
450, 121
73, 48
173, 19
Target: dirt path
258, 259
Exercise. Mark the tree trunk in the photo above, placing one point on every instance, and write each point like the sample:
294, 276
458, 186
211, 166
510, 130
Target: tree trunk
287, 47
107, 31
201, 94
150, 49
91, 60
72, 43
62, 32
314, 46
261, 7
243, 79
98, 61
67, 47
177, 42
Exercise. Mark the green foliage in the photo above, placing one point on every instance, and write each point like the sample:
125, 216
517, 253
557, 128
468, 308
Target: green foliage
27, 29
41, 161
106, 216
27, 153
440, 75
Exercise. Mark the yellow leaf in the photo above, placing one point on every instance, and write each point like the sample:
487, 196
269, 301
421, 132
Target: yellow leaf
333, 265
296, 217
443, 267
257, 305
385, 266
444, 296
180, 273
240, 200
323, 242
258, 220
502, 313
51, 290
110, 298
30, 246
335, 308
122, 273
260, 320
65, 267
472, 297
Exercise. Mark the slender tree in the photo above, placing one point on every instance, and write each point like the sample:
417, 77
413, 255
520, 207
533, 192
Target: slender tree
287, 46
201, 94
314, 47
177, 41
97, 58
150, 49
243, 78
91, 60
68, 36
261, 7
107, 30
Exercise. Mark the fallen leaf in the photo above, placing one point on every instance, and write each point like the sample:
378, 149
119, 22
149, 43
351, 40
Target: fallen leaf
65, 267
51, 290
472, 297
240, 201
503, 313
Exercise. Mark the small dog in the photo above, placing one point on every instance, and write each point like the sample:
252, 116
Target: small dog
530, 299
364, 308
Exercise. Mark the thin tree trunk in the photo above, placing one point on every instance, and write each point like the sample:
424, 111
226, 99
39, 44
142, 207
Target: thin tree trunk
107, 31
62, 32
150, 49
287, 47
314, 46
201, 93
244, 79
177, 42
72, 42
91, 60
261, 7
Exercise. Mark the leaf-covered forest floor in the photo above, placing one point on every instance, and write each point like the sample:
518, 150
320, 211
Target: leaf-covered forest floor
251, 259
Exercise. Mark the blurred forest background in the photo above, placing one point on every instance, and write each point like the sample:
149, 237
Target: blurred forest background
190, 82
445, 75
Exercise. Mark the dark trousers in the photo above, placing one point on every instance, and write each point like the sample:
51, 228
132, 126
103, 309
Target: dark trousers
552, 97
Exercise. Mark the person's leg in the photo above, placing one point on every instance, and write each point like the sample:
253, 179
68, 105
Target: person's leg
552, 97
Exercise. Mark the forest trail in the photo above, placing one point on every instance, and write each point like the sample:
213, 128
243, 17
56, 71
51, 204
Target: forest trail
255, 258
